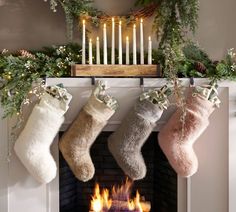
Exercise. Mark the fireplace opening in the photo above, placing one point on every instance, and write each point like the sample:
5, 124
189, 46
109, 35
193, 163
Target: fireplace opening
159, 187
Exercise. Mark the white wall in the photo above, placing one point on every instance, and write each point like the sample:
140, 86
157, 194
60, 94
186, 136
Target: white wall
30, 24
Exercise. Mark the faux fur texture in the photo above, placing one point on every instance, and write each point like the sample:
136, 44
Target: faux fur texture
33, 144
180, 152
126, 142
76, 142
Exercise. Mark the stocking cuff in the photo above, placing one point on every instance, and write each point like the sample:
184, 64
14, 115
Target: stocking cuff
60, 106
197, 102
148, 110
98, 109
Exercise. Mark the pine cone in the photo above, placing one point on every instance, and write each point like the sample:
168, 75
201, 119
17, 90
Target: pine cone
26, 54
200, 67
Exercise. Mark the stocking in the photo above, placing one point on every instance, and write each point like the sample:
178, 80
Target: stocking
76, 142
176, 138
126, 142
33, 144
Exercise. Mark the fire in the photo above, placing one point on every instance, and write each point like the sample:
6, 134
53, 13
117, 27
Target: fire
100, 200
135, 204
119, 200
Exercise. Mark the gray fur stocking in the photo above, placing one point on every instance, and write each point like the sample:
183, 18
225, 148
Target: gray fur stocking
125, 144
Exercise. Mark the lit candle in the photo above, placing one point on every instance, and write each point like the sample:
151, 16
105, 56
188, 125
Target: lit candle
134, 46
127, 50
141, 43
105, 44
98, 51
83, 44
90, 52
120, 43
149, 50
113, 43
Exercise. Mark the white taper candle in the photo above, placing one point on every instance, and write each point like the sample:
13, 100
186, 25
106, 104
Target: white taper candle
134, 46
113, 42
98, 52
149, 50
141, 43
105, 44
84, 44
90, 52
120, 43
127, 50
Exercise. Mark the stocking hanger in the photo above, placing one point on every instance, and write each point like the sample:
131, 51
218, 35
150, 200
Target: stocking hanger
192, 83
93, 81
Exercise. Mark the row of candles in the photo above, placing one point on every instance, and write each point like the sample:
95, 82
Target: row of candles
105, 58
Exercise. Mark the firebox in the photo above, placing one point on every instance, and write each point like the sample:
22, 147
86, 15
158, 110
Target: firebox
159, 187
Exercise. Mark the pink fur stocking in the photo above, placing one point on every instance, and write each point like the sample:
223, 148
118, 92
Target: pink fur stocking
176, 139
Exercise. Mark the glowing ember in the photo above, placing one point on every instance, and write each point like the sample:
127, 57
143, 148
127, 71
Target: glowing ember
119, 201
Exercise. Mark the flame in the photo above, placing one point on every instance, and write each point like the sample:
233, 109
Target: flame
122, 192
131, 205
135, 204
101, 200
96, 203
107, 202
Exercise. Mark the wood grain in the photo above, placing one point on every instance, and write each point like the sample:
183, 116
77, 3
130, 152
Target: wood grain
116, 70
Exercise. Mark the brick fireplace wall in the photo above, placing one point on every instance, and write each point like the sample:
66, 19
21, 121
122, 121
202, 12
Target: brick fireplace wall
159, 186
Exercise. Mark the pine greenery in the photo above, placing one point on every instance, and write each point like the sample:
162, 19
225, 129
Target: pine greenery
177, 57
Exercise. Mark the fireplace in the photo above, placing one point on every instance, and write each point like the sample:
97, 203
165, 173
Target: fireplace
159, 187
213, 188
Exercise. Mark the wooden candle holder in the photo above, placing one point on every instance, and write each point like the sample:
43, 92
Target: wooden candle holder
116, 70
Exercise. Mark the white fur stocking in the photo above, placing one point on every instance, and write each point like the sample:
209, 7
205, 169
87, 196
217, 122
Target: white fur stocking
33, 145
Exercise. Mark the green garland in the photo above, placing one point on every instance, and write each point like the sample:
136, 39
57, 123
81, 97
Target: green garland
177, 57
73, 10
19, 71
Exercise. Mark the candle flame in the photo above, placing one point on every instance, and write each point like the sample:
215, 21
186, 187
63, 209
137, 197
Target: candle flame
141, 20
134, 25
127, 38
83, 21
105, 25
113, 19
90, 40
120, 22
149, 38
97, 38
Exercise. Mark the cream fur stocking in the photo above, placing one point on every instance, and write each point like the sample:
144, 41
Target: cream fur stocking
76, 142
126, 142
176, 140
33, 144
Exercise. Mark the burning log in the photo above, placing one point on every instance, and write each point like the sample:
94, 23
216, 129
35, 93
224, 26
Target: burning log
122, 206
119, 201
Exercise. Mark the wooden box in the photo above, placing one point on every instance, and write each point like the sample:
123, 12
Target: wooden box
116, 70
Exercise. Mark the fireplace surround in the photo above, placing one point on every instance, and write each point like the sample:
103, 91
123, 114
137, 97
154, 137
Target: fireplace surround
212, 189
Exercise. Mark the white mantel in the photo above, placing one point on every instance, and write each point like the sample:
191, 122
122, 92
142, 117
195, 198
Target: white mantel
212, 189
